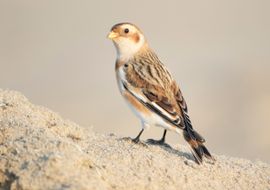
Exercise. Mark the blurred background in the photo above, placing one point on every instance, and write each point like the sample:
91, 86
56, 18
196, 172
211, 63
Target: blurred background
56, 53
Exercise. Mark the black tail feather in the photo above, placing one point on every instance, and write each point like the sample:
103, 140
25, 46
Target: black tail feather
206, 152
198, 154
196, 141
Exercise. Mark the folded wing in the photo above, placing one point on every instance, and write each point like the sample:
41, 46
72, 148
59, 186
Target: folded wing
161, 105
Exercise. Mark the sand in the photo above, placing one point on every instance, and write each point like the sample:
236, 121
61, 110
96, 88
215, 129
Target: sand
40, 150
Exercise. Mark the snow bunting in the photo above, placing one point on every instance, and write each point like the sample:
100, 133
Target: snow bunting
150, 90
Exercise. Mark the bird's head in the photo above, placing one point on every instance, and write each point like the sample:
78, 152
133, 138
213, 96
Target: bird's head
128, 40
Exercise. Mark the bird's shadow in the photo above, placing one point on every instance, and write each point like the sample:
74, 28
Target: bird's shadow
166, 147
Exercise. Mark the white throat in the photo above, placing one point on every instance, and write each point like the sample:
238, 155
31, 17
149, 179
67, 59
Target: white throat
127, 48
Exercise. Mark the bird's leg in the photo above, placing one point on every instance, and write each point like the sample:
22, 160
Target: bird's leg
159, 142
137, 139
162, 140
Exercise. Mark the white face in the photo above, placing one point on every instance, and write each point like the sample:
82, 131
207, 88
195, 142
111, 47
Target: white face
128, 41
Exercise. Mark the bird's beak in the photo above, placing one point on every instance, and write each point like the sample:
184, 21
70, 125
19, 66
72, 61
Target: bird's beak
112, 35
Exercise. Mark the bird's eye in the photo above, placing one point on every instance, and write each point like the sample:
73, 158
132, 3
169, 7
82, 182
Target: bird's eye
126, 30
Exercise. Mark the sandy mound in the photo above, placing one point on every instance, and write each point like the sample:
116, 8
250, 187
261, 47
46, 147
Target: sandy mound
40, 150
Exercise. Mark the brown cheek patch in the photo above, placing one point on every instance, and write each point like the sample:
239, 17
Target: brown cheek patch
135, 37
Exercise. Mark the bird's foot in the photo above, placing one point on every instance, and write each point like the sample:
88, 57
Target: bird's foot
135, 140
160, 142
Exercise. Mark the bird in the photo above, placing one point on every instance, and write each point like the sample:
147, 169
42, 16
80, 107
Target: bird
150, 90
